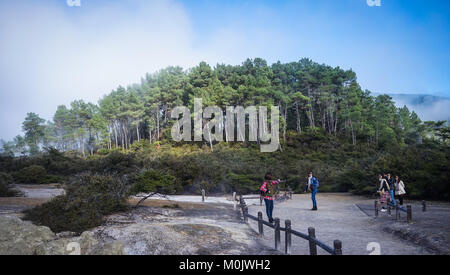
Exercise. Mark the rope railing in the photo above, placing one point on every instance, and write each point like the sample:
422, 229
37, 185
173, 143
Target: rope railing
310, 237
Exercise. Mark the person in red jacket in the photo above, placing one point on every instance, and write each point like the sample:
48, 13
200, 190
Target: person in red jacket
268, 191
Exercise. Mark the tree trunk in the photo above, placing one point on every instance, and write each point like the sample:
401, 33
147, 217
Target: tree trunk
311, 109
115, 135
209, 137
82, 147
157, 122
285, 122
299, 126
137, 132
353, 132
125, 135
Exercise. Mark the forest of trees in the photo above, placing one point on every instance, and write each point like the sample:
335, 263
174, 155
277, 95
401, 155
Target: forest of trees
312, 97
328, 124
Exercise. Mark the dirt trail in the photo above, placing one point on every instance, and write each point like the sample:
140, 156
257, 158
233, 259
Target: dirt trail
338, 217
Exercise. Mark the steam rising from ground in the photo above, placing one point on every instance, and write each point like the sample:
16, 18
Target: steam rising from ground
426, 106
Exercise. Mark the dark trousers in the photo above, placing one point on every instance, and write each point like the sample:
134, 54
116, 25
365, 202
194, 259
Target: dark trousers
400, 198
269, 208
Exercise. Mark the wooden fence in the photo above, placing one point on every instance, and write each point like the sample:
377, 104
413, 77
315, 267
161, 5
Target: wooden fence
399, 209
310, 237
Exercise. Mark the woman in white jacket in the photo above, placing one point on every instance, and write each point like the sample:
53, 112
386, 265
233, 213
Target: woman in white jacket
400, 191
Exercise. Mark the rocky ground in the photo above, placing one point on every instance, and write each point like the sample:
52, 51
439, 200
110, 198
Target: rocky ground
143, 231
155, 228
182, 226
429, 229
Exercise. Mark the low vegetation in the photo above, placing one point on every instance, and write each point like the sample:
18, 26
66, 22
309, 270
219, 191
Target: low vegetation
5, 186
329, 124
88, 198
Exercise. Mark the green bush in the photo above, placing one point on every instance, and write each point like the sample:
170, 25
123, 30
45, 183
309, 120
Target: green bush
243, 184
155, 181
5, 188
62, 214
35, 174
31, 174
5, 178
114, 162
88, 198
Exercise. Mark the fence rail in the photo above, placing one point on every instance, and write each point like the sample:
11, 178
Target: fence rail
310, 237
399, 209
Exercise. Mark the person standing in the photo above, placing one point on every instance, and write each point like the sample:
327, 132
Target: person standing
269, 192
313, 185
390, 181
383, 190
399, 189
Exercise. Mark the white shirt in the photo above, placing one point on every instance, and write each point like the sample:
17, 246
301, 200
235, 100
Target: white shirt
400, 188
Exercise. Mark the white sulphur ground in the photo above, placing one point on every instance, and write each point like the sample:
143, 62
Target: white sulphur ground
198, 199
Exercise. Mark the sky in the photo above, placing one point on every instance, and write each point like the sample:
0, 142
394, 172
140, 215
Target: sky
53, 52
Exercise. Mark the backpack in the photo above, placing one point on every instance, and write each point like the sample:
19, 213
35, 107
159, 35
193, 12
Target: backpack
271, 191
315, 182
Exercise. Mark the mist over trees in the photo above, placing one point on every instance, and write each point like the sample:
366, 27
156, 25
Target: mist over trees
312, 97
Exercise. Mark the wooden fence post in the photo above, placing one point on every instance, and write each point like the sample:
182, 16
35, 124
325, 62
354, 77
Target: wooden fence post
245, 214
312, 244
234, 201
376, 208
397, 214
409, 213
337, 247
424, 206
203, 195
260, 200
244, 209
260, 223
277, 233
287, 235
389, 210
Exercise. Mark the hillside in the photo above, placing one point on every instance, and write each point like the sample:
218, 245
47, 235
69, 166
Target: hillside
122, 146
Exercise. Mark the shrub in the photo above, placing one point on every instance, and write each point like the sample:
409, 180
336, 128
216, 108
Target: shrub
62, 214
31, 174
155, 181
35, 174
88, 198
5, 188
6, 178
245, 183
115, 162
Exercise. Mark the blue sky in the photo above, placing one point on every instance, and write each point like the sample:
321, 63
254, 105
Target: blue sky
51, 53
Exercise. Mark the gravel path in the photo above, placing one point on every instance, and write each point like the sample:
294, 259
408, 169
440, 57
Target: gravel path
338, 218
